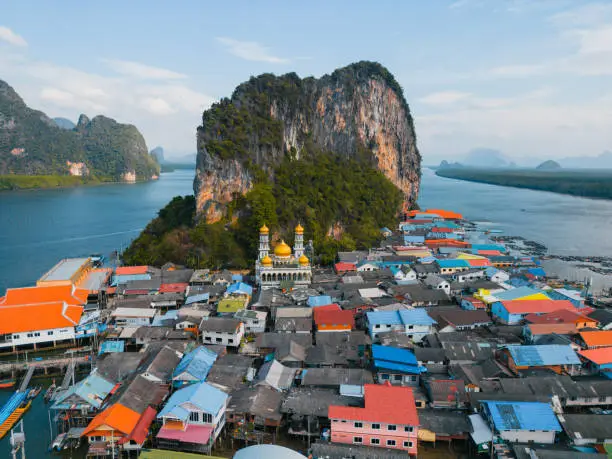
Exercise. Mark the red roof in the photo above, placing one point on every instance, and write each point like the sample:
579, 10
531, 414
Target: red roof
489, 252
123, 270
343, 266
536, 306
600, 356
338, 317
173, 288
562, 316
384, 403
327, 307
438, 229
141, 430
599, 338
192, 434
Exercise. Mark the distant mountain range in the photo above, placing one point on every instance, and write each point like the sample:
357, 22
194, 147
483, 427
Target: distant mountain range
33, 144
601, 161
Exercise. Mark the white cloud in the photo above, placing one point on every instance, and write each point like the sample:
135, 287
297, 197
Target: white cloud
444, 97
157, 106
250, 51
142, 71
11, 37
585, 15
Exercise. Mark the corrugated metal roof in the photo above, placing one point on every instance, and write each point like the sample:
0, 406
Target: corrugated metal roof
515, 293
319, 300
393, 354
523, 416
545, 355
196, 363
203, 395
240, 288
453, 263
416, 317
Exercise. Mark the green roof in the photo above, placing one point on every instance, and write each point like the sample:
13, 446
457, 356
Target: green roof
161, 454
230, 305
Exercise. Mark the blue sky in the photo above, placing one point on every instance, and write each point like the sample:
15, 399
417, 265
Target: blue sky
531, 78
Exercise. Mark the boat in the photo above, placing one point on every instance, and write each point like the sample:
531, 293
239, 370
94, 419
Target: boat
12, 411
50, 392
34, 392
59, 443
7, 383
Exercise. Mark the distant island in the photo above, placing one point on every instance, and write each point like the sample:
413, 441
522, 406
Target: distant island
588, 183
549, 165
39, 152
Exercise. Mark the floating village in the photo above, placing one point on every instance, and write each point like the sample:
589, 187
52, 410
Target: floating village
444, 341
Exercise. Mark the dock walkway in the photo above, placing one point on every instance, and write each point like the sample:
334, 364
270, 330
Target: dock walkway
61, 362
26, 379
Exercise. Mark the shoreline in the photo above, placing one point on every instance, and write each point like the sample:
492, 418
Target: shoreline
77, 184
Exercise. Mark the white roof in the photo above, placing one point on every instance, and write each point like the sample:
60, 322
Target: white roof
134, 312
371, 292
481, 432
128, 332
293, 312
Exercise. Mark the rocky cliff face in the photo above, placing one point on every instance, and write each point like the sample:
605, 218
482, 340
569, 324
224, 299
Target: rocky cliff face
358, 112
33, 144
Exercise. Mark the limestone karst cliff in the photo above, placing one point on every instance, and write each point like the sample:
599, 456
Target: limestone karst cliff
357, 112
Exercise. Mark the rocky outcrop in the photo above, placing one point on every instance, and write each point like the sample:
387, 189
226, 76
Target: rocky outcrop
33, 144
357, 112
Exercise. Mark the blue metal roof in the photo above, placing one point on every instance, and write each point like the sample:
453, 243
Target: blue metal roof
523, 416
393, 354
384, 317
415, 317
515, 293
538, 272
453, 263
204, 396
201, 298
112, 346
236, 277
196, 363
544, 355
321, 300
125, 278
240, 288
392, 366
499, 247
93, 390
404, 316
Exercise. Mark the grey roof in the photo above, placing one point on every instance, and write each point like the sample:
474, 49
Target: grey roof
352, 257
164, 363
349, 345
293, 324
579, 426
395, 339
444, 423
293, 312
429, 354
276, 340
315, 402
178, 276
339, 451
141, 393
229, 371
291, 351
220, 324
426, 268
418, 293
557, 451
334, 377
432, 280
143, 302
145, 284
604, 316
275, 375
259, 401
324, 355
116, 367
474, 373
451, 391
468, 351
460, 317
145, 333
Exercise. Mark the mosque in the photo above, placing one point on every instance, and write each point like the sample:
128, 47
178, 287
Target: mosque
284, 265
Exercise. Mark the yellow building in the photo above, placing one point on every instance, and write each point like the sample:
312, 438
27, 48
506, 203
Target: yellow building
69, 271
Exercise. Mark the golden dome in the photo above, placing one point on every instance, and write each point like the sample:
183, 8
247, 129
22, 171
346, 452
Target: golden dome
304, 260
264, 229
282, 249
266, 261
299, 229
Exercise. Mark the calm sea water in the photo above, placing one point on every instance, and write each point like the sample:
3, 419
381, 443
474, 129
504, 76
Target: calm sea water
37, 228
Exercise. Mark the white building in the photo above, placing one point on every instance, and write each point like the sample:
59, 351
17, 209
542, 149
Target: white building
254, 321
282, 265
220, 330
133, 316
438, 283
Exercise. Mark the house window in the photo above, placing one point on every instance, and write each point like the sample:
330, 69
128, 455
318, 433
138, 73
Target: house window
377, 326
397, 377
30, 335
390, 442
602, 399
410, 327
384, 376
357, 440
194, 416
391, 427
408, 429
208, 338
375, 426
49, 333
207, 417
15, 336
37, 334
407, 444
358, 425
218, 340
375, 441
230, 341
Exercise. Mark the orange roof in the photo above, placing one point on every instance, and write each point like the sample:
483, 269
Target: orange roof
536, 306
141, 430
46, 294
384, 403
123, 270
479, 263
39, 316
173, 288
600, 338
446, 242
600, 356
446, 214
117, 418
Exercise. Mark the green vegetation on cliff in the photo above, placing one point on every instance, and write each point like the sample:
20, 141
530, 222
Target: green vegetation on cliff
27, 182
585, 183
321, 191
32, 144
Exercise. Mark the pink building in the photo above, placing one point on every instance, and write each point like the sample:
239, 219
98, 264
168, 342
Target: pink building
388, 420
